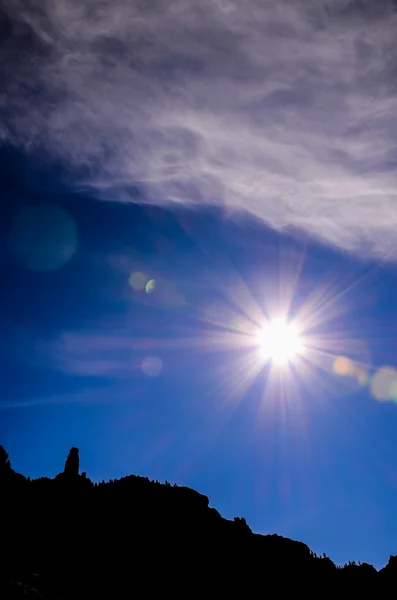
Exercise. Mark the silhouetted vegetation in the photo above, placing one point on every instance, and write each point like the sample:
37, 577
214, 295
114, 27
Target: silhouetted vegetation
68, 538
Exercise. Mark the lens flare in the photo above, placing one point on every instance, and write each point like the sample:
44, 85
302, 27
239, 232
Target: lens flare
152, 366
343, 366
43, 237
150, 286
138, 280
384, 384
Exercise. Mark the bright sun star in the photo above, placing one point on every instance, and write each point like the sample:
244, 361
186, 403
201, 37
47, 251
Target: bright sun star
280, 342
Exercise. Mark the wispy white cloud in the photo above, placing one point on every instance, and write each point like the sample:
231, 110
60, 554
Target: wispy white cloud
88, 396
120, 355
89, 354
77, 353
285, 110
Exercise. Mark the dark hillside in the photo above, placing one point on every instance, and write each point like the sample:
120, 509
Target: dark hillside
69, 538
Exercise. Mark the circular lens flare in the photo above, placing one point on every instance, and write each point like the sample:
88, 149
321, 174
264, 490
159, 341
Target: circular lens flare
280, 341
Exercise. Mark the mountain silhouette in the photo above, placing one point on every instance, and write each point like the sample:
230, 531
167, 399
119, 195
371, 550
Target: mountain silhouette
68, 538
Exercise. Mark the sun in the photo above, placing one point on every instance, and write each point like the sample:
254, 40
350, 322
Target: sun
280, 341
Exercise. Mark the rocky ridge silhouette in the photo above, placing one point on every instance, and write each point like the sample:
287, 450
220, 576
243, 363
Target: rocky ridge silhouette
68, 538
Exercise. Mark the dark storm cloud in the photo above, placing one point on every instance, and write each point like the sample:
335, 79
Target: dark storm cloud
286, 110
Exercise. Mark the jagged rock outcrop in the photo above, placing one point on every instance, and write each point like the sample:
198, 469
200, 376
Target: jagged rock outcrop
390, 570
5, 465
72, 463
242, 523
7, 473
70, 473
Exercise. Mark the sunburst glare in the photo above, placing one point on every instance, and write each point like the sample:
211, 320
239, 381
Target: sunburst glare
277, 329
280, 341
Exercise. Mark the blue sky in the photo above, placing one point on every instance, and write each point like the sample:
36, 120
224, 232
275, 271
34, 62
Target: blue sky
244, 164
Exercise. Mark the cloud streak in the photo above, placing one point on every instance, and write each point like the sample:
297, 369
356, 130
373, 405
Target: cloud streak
120, 356
285, 110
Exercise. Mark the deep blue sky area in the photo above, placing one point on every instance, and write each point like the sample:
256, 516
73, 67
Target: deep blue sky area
167, 381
